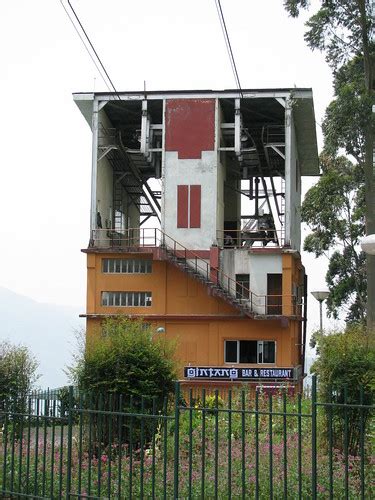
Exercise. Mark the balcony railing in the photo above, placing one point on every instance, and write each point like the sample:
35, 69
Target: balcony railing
246, 239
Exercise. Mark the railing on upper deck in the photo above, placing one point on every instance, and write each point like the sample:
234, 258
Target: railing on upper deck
246, 239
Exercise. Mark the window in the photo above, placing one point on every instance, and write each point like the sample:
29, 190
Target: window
189, 206
250, 351
242, 286
131, 266
127, 299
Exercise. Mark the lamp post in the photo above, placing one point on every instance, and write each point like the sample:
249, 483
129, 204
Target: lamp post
320, 297
368, 246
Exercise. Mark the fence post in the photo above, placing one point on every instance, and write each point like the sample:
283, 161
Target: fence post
176, 439
70, 437
313, 438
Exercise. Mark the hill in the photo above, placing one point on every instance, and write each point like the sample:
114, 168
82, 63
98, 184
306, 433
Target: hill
47, 329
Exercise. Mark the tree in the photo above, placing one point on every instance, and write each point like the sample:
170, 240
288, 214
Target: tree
127, 359
333, 209
18, 375
346, 371
348, 115
128, 368
345, 29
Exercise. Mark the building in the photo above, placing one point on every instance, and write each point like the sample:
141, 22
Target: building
196, 226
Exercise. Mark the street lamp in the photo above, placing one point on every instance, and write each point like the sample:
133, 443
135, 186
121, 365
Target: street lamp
368, 244
321, 297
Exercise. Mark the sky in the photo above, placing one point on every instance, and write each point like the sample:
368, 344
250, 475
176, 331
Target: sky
46, 143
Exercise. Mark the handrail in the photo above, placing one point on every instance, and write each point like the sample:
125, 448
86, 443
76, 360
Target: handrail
235, 288
245, 238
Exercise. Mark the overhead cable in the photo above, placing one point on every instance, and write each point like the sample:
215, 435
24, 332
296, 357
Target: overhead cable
228, 45
107, 78
87, 49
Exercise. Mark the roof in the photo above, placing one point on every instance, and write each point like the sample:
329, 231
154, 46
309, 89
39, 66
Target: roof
303, 111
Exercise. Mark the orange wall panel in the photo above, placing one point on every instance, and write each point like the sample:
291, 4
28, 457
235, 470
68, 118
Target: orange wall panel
174, 293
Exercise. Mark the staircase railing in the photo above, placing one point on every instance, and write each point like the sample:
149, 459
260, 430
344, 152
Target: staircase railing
236, 292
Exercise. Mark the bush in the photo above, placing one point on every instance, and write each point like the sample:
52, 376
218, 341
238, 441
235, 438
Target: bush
346, 371
128, 360
17, 375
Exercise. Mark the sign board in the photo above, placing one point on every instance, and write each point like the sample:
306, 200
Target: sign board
230, 373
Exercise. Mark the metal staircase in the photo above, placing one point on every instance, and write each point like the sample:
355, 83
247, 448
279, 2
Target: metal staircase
200, 270
131, 171
233, 292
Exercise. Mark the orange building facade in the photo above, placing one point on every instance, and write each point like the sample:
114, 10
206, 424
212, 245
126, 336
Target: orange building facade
195, 227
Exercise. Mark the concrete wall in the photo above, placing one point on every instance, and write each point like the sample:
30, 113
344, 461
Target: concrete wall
296, 187
239, 261
202, 171
232, 201
104, 190
104, 199
292, 184
220, 211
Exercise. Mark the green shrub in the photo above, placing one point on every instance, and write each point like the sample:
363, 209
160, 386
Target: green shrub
17, 377
346, 371
128, 359
128, 366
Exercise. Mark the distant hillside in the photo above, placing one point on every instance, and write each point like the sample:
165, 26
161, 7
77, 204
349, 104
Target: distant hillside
48, 330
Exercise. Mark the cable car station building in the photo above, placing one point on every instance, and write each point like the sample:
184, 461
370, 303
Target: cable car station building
196, 225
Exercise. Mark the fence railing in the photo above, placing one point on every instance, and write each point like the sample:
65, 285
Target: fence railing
253, 444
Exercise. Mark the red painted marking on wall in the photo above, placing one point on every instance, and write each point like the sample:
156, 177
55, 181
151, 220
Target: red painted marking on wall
190, 127
195, 206
191, 254
182, 206
214, 263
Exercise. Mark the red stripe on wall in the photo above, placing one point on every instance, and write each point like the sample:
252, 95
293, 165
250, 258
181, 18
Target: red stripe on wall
195, 206
190, 126
182, 206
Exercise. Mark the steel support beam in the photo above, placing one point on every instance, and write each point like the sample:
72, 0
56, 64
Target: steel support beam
288, 172
94, 164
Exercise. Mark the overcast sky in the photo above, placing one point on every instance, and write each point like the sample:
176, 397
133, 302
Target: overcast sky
46, 143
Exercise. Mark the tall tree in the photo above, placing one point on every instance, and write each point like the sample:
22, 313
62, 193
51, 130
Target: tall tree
333, 209
345, 29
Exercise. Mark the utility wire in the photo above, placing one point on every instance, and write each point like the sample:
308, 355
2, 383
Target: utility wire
92, 48
228, 45
84, 44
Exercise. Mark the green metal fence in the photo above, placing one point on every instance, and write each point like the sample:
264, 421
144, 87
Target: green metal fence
261, 444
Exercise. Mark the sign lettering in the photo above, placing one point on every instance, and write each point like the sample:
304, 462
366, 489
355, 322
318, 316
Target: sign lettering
219, 373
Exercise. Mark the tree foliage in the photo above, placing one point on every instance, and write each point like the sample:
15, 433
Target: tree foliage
346, 371
333, 209
127, 368
341, 208
340, 28
18, 374
348, 115
127, 359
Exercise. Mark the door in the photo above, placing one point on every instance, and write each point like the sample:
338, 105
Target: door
274, 294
